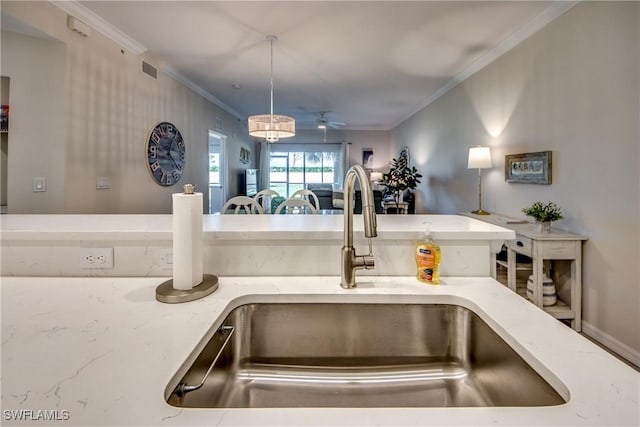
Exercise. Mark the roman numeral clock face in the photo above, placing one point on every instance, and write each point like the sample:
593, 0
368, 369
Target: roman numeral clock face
165, 154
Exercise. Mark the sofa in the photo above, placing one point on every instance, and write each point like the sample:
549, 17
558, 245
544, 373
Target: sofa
324, 193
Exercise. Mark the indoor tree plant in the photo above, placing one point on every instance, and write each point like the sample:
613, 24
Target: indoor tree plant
544, 214
400, 177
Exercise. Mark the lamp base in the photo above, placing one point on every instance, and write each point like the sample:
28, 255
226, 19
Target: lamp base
480, 212
166, 293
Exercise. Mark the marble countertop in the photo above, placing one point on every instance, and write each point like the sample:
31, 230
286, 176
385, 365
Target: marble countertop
220, 227
103, 350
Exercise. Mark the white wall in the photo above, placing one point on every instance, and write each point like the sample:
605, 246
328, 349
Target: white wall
82, 109
38, 121
572, 88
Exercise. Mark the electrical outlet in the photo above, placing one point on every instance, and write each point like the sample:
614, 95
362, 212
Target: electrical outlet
98, 258
166, 259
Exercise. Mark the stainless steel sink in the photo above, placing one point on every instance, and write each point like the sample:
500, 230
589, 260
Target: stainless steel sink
270, 355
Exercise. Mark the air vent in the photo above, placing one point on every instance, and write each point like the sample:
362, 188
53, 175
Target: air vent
78, 26
149, 70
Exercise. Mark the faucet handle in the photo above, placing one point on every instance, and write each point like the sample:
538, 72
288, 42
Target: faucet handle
366, 262
369, 262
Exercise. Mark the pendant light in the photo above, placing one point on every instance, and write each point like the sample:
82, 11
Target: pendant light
271, 126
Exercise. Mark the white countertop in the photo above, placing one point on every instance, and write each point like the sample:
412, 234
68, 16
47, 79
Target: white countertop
104, 350
290, 227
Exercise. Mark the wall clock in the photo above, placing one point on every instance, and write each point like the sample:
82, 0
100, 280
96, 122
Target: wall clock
165, 154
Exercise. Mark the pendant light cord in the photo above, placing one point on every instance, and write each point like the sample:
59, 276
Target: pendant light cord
272, 127
271, 39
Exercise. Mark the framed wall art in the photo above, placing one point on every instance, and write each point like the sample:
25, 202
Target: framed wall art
245, 155
528, 168
367, 158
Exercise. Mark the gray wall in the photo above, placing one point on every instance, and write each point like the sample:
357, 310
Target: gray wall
81, 109
572, 88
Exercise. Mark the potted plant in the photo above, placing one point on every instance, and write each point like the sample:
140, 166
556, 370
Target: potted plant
400, 177
544, 214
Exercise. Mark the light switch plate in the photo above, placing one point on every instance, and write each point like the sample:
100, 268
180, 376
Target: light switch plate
103, 183
39, 184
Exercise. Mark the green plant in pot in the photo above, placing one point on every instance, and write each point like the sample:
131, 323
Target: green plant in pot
544, 214
400, 177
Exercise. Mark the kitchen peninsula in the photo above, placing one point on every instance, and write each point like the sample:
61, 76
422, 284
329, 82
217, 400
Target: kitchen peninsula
241, 245
104, 350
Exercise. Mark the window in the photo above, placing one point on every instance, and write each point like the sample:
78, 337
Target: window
290, 171
214, 169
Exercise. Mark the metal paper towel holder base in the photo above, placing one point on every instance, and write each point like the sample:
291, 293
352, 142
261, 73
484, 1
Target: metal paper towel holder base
166, 293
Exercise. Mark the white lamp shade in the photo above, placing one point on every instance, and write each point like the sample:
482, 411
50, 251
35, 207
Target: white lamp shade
375, 176
479, 158
272, 127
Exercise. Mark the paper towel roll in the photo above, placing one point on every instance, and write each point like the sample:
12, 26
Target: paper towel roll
187, 240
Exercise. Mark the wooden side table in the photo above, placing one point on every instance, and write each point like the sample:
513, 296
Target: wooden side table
541, 247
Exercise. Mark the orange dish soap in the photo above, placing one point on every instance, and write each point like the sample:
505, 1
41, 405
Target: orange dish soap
428, 259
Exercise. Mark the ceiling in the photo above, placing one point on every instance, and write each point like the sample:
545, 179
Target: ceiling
370, 64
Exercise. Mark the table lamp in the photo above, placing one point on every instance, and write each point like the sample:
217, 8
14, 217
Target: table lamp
375, 178
480, 158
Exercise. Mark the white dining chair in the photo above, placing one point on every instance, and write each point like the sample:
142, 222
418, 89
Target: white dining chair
307, 195
264, 197
295, 206
249, 205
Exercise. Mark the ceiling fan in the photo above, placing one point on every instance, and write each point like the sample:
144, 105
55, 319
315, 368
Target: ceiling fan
323, 122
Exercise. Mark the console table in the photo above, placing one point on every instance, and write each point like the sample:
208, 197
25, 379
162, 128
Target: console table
541, 247
400, 207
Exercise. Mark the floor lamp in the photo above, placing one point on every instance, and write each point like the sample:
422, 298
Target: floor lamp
480, 158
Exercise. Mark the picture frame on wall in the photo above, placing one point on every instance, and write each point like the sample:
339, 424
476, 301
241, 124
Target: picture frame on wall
245, 155
367, 158
4, 118
528, 168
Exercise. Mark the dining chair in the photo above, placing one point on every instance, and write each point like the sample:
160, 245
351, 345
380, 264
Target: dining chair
264, 197
307, 195
249, 205
296, 206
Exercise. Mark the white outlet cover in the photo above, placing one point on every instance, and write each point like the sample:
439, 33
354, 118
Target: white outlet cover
96, 258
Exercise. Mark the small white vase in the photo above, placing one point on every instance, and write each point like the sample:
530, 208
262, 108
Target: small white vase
549, 296
543, 227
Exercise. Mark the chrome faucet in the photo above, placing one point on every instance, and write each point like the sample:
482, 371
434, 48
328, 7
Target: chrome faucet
350, 261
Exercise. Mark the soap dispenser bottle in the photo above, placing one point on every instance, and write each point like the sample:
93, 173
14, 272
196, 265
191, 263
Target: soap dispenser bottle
428, 259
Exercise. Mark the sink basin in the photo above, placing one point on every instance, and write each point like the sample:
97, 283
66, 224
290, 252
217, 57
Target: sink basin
269, 355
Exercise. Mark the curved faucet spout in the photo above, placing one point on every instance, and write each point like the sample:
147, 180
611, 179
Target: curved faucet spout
351, 261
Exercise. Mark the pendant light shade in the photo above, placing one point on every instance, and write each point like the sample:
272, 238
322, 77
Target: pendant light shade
271, 126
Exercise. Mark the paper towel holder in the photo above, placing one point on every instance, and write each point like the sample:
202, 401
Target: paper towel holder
168, 294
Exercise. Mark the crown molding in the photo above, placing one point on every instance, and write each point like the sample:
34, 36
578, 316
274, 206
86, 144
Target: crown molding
98, 24
513, 40
168, 69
